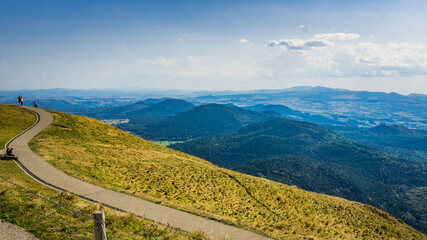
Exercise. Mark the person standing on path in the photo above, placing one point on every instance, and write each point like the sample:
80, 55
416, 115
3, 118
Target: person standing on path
22, 100
35, 104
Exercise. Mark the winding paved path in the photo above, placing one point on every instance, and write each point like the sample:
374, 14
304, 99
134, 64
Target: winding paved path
47, 174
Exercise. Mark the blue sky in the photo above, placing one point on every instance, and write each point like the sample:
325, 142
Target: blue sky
214, 45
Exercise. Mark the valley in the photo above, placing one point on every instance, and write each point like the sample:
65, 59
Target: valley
360, 154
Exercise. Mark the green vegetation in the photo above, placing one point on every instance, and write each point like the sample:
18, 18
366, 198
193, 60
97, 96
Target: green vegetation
153, 113
119, 161
201, 121
316, 159
166, 143
260, 140
297, 115
159, 111
120, 112
13, 120
48, 221
395, 139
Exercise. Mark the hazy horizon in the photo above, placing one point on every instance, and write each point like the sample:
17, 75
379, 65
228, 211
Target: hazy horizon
214, 45
198, 91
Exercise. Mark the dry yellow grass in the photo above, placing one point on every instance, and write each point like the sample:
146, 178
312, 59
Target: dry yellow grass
48, 221
103, 155
13, 120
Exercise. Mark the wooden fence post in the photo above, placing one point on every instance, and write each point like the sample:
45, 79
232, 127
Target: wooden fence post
99, 223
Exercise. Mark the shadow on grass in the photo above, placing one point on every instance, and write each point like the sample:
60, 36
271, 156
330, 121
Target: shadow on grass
4, 158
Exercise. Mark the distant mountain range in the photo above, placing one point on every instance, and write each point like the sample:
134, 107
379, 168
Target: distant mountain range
289, 113
150, 119
338, 107
349, 108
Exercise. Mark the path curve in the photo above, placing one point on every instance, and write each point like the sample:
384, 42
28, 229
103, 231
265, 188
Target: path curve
42, 171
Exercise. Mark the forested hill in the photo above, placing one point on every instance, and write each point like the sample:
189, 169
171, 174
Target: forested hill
395, 139
260, 140
118, 112
160, 111
395, 131
149, 110
316, 159
202, 121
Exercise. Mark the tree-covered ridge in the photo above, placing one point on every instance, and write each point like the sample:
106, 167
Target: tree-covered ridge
260, 140
203, 120
316, 159
395, 139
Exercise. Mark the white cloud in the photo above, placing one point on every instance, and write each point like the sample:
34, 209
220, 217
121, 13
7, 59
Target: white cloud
337, 36
158, 61
243, 40
388, 59
324, 58
193, 59
302, 28
196, 67
299, 44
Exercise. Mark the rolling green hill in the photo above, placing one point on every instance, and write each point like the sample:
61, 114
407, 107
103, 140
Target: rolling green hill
117, 160
47, 221
158, 111
395, 131
201, 121
161, 110
13, 120
260, 140
316, 159
142, 112
118, 112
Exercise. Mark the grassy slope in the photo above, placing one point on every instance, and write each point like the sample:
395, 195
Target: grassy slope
47, 221
13, 120
316, 159
106, 156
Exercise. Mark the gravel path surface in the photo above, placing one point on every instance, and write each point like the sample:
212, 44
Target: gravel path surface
8, 231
